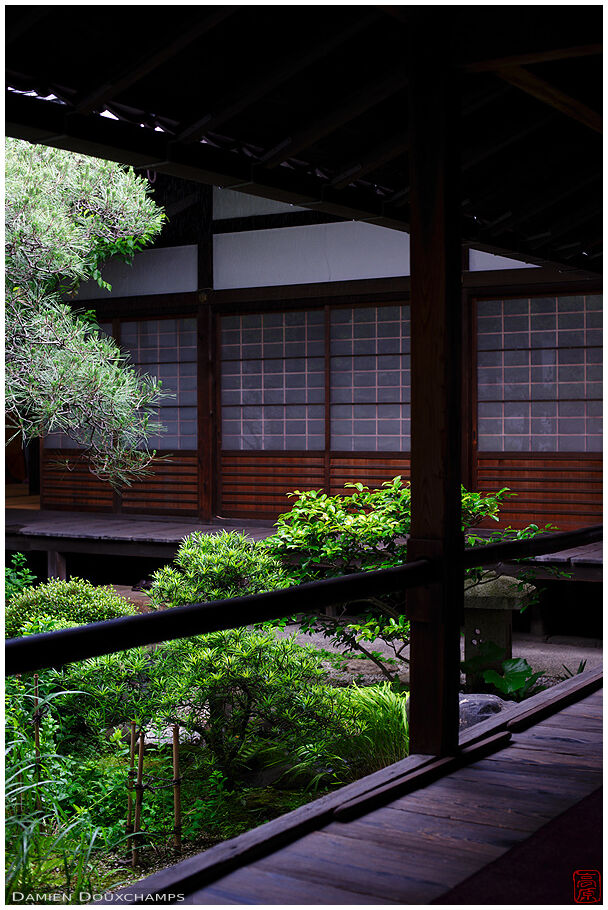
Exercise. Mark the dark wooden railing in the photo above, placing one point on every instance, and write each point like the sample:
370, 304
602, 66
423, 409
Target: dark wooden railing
53, 649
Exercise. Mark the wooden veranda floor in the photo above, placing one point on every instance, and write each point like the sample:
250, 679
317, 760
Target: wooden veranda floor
483, 824
156, 536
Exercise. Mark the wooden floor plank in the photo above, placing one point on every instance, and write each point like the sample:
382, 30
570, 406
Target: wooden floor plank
253, 885
571, 722
402, 819
543, 756
508, 808
579, 742
451, 852
371, 870
528, 778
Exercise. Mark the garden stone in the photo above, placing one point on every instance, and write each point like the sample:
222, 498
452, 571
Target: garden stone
488, 609
476, 707
473, 708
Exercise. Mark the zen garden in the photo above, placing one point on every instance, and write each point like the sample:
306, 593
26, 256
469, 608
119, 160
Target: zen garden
123, 764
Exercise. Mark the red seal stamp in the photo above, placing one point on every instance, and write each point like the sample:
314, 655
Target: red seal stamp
587, 886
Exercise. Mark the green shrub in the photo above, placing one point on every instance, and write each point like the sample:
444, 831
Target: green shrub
216, 566
324, 536
75, 601
17, 576
377, 736
49, 843
247, 692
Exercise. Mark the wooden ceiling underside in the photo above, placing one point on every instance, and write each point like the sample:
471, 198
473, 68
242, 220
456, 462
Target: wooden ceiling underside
309, 104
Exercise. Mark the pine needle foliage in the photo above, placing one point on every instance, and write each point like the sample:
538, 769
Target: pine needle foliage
66, 214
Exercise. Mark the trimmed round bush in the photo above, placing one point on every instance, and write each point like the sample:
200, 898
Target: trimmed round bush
214, 567
75, 601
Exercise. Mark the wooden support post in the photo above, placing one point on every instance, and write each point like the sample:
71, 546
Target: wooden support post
56, 565
435, 610
177, 804
131, 780
139, 795
206, 409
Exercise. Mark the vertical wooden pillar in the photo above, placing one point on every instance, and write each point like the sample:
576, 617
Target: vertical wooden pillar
206, 408
206, 417
56, 565
435, 255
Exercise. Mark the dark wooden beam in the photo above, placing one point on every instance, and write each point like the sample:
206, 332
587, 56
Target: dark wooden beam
206, 416
543, 91
52, 124
542, 203
528, 58
46, 122
171, 46
240, 98
476, 154
435, 256
566, 224
30, 18
380, 154
344, 111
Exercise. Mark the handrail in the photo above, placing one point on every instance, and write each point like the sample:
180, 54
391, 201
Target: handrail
53, 649
535, 546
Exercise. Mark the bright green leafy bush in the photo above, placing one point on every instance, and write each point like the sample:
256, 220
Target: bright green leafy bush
216, 566
75, 601
325, 536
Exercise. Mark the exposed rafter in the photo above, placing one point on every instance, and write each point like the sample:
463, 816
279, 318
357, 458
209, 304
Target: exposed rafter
54, 124
475, 155
543, 203
565, 225
170, 47
334, 89
344, 111
526, 81
252, 90
543, 55
380, 154
27, 21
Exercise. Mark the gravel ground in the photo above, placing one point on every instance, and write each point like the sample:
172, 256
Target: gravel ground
548, 655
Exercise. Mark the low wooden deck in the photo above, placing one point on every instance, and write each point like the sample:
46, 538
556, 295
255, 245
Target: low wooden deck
112, 535
413, 832
142, 535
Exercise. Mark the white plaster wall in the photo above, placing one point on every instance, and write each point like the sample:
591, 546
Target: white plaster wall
165, 271
483, 262
298, 255
230, 204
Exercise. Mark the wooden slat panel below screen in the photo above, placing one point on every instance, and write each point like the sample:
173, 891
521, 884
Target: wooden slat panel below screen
561, 490
67, 483
370, 470
255, 484
171, 489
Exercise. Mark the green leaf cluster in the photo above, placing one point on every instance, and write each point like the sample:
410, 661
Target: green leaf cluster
517, 679
17, 576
